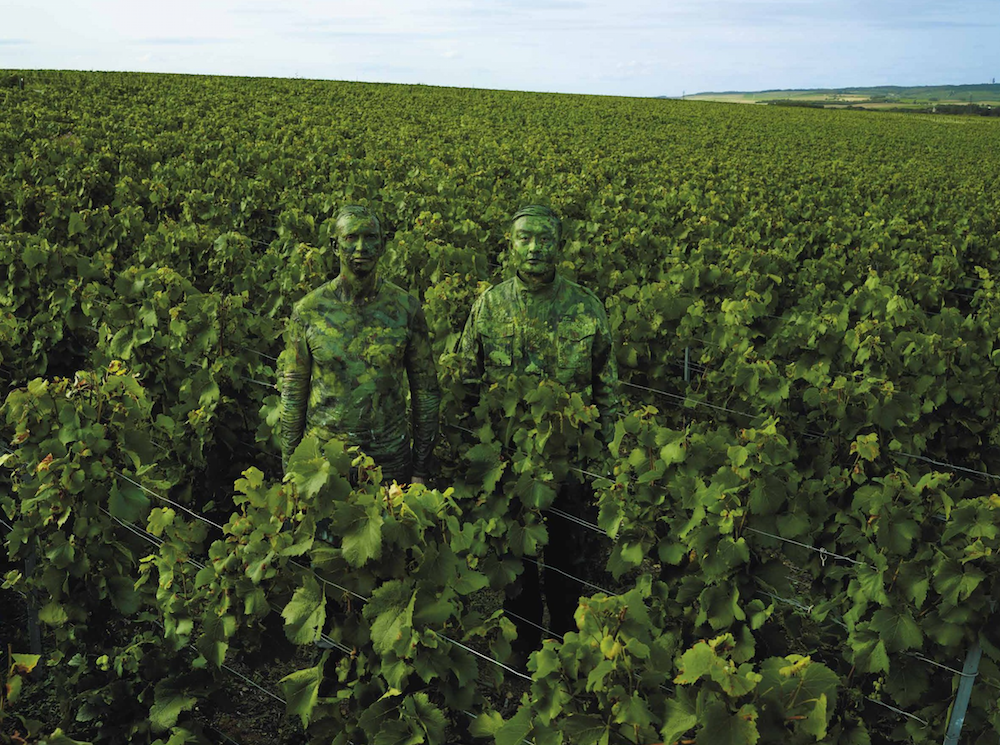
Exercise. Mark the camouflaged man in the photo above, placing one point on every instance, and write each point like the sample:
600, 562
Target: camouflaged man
540, 323
354, 345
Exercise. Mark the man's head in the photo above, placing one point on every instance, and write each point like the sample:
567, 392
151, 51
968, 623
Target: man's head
535, 236
359, 239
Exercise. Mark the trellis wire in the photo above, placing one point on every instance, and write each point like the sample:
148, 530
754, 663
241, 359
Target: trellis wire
820, 550
528, 621
260, 354
240, 675
575, 469
253, 683
261, 450
570, 576
555, 510
258, 382
967, 676
897, 710
220, 732
693, 401
915, 655
681, 401
476, 652
459, 644
789, 361
578, 520
943, 464
324, 637
171, 502
924, 458
793, 603
955, 671
330, 643
149, 537
323, 579
695, 367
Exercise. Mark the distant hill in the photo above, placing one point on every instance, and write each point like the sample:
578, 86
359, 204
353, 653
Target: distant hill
884, 96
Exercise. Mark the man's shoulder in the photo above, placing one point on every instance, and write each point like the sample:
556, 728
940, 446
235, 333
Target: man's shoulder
392, 290
313, 299
572, 293
496, 298
500, 291
393, 294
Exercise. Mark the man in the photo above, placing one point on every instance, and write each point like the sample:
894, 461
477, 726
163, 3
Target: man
354, 345
540, 323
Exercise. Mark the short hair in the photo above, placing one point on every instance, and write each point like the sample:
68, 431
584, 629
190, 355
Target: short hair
356, 210
539, 210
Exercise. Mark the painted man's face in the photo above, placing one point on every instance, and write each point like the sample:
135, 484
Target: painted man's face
359, 244
535, 245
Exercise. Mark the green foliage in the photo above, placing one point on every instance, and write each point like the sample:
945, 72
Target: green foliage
828, 277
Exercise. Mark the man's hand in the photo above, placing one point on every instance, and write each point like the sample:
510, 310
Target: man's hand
418, 480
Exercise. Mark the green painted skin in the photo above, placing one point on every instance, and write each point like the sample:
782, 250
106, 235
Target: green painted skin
556, 330
540, 323
348, 376
355, 346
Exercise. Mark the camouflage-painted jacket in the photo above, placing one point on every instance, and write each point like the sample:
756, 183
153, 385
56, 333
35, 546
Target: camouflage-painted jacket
348, 363
558, 331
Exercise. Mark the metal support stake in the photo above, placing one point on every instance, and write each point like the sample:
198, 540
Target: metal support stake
687, 364
961, 705
34, 630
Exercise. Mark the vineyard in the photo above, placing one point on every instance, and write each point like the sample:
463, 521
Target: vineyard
795, 530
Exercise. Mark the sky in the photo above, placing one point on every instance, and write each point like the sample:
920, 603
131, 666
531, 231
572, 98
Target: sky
615, 47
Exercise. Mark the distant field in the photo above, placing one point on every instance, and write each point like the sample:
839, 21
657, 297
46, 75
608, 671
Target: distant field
878, 97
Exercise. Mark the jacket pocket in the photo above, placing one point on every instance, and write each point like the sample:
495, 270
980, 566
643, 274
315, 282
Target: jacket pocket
498, 347
574, 348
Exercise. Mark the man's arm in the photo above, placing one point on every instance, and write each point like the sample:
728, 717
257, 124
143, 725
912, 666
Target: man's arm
295, 388
469, 350
605, 381
425, 395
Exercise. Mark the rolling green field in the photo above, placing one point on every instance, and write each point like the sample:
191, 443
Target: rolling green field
867, 97
794, 528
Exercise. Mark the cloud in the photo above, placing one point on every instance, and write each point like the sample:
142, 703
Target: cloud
781, 15
384, 69
505, 6
639, 47
928, 24
182, 41
265, 10
348, 33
